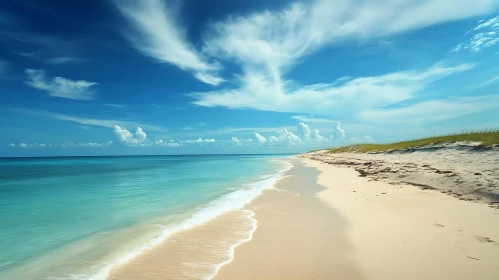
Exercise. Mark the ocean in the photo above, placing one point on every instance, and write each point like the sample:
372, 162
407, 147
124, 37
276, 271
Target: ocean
75, 218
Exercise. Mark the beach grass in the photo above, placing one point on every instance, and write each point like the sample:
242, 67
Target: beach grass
486, 138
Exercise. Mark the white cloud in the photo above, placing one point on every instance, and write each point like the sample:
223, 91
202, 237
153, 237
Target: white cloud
304, 130
60, 87
200, 140
34, 145
170, 143
61, 60
432, 110
155, 34
90, 144
316, 136
309, 119
485, 34
339, 131
235, 140
283, 37
489, 81
126, 137
114, 105
268, 93
305, 135
260, 138
208, 78
273, 140
284, 136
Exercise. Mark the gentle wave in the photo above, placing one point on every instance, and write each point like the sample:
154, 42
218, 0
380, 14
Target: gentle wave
229, 202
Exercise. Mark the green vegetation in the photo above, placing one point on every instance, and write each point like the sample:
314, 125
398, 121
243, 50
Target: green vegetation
486, 138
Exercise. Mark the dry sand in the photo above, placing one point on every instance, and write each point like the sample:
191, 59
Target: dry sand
327, 222
458, 170
370, 230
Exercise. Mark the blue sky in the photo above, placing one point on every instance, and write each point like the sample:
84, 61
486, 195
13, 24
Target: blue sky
179, 77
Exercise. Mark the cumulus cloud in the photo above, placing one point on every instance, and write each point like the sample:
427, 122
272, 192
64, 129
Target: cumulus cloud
235, 141
165, 143
59, 86
90, 144
260, 138
128, 138
201, 140
285, 136
304, 135
33, 145
155, 34
484, 35
339, 131
304, 130
315, 135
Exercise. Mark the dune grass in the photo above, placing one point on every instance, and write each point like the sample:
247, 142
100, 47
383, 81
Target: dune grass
486, 138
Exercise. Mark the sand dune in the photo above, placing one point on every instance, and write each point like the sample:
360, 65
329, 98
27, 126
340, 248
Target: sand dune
464, 173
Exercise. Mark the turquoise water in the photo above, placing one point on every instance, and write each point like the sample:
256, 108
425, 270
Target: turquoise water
73, 218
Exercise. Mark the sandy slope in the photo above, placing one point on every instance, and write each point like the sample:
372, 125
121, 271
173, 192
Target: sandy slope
334, 224
463, 173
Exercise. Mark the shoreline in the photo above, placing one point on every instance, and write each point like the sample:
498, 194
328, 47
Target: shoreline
321, 221
200, 245
381, 231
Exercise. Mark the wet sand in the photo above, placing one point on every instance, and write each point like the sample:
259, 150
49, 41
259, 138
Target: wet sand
369, 230
298, 235
326, 222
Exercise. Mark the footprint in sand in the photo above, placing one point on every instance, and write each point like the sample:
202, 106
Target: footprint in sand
483, 239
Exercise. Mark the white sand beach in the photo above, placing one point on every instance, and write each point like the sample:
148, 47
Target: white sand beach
326, 222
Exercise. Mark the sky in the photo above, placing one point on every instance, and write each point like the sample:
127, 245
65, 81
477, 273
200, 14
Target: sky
123, 77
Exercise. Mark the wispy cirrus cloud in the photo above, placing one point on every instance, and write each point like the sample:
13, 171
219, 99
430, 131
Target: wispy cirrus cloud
285, 37
310, 119
268, 94
59, 86
155, 34
490, 81
109, 123
431, 110
17, 36
484, 35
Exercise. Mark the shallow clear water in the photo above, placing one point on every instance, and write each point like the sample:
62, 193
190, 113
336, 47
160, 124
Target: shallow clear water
69, 218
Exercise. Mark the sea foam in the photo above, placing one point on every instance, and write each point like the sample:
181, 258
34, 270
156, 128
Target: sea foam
229, 202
